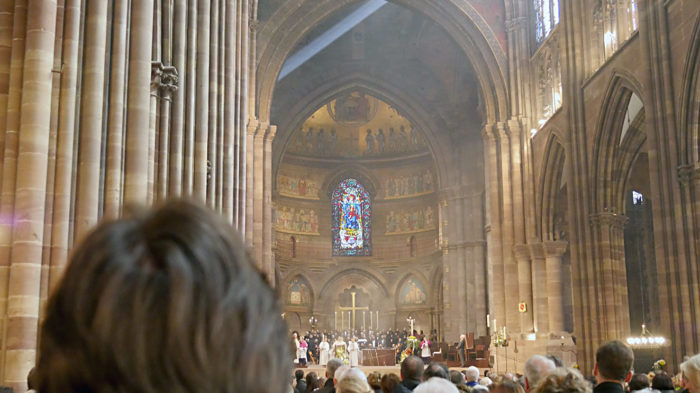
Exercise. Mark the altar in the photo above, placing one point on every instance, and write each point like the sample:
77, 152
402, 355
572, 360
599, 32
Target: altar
378, 357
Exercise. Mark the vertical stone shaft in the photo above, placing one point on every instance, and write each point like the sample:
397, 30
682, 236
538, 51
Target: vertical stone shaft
60, 238
522, 255
138, 104
92, 98
166, 93
154, 103
540, 304
9, 167
240, 129
231, 103
6, 24
27, 234
268, 257
177, 129
221, 102
201, 130
246, 197
554, 250
114, 175
190, 93
213, 95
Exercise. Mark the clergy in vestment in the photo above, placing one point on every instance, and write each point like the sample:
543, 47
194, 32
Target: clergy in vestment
324, 348
354, 351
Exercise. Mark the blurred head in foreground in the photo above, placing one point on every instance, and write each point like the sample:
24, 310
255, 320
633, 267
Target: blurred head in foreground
165, 300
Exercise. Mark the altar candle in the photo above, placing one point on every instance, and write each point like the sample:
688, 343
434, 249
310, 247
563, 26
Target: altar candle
488, 320
342, 320
335, 320
363, 320
495, 327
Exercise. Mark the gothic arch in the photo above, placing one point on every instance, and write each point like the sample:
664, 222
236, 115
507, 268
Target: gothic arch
461, 21
418, 276
689, 130
437, 142
304, 280
365, 177
612, 157
371, 276
552, 172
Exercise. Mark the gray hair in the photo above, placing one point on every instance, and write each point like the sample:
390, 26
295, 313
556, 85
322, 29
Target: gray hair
354, 373
332, 366
472, 374
436, 385
537, 368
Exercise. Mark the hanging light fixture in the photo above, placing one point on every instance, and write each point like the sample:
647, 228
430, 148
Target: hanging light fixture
647, 340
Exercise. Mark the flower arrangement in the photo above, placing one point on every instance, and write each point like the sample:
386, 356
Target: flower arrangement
500, 340
411, 347
659, 365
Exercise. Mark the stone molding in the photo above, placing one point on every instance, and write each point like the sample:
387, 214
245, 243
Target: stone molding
555, 249
607, 218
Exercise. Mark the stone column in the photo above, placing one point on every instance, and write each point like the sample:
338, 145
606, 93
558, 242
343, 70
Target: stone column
554, 250
115, 123
230, 111
60, 238
522, 256
611, 274
213, 97
6, 21
92, 98
190, 107
138, 102
539, 285
268, 257
201, 130
168, 85
27, 232
177, 134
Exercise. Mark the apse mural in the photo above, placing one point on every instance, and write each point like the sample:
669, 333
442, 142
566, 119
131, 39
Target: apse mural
410, 221
298, 293
294, 220
297, 187
408, 186
351, 209
412, 293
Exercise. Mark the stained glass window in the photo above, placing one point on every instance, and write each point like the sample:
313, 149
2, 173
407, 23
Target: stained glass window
351, 209
546, 17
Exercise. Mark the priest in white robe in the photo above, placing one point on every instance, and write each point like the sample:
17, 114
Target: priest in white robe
354, 351
324, 351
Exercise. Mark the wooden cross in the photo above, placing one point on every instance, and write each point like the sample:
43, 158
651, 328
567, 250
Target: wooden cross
353, 308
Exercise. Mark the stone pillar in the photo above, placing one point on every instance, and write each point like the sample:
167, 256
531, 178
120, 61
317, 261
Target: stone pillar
213, 97
201, 130
168, 85
27, 233
611, 274
230, 111
138, 102
522, 256
267, 230
92, 97
177, 129
115, 123
539, 285
554, 250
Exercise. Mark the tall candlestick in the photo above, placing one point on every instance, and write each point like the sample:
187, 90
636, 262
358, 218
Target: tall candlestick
377, 319
335, 320
342, 320
363, 319
488, 320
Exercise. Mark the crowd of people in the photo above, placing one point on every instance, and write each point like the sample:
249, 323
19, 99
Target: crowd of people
612, 373
168, 300
317, 346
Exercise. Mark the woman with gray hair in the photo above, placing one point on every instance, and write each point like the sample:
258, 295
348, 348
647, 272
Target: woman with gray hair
691, 374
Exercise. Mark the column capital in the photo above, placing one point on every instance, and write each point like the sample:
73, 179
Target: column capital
156, 73
554, 249
519, 23
688, 173
169, 79
607, 218
536, 250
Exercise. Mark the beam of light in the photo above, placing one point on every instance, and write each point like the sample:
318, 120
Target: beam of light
329, 36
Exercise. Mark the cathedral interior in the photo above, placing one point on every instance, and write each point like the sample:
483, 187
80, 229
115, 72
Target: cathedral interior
524, 170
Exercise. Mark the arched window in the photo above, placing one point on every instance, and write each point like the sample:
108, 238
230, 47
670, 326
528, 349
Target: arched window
351, 209
412, 246
293, 246
546, 17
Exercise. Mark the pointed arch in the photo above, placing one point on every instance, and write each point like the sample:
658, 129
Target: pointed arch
411, 291
613, 155
299, 292
552, 173
689, 130
461, 21
351, 228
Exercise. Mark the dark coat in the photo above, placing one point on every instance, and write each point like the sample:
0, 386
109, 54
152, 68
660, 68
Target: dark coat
608, 387
328, 387
406, 386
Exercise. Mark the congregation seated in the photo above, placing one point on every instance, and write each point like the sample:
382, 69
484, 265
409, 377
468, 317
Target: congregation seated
165, 300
